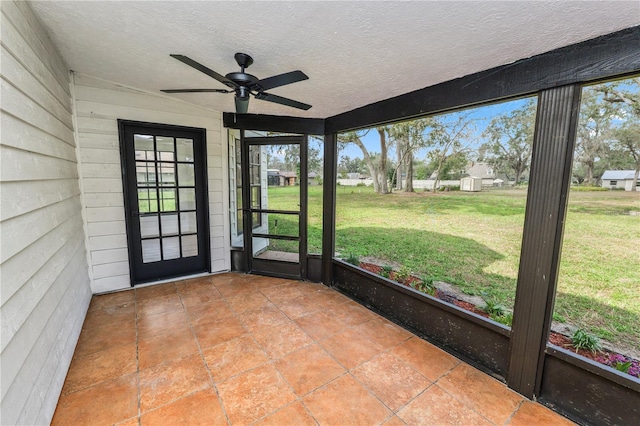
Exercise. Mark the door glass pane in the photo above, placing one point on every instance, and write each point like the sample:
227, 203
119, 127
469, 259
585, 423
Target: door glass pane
167, 174
170, 248
143, 145
168, 200
150, 250
187, 199
255, 197
255, 174
147, 200
240, 222
169, 224
185, 149
145, 173
186, 175
165, 148
149, 226
188, 223
189, 245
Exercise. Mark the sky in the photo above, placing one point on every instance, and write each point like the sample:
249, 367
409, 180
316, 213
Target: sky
482, 116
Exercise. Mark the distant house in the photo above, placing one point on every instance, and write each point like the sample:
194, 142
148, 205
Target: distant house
314, 178
622, 179
277, 178
485, 172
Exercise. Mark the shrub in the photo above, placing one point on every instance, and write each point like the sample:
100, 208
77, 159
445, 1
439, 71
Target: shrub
582, 339
492, 307
402, 274
506, 318
386, 271
425, 285
587, 188
353, 259
361, 184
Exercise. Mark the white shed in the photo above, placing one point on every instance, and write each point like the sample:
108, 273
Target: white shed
471, 184
619, 179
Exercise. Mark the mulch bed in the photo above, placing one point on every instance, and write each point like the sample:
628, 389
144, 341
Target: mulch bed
556, 339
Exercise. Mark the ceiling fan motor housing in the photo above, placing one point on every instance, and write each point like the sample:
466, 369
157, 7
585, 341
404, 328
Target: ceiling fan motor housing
241, 78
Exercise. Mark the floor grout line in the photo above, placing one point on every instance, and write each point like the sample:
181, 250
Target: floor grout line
204, 361
135, 304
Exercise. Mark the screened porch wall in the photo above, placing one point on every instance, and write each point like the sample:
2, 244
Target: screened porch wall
99, 104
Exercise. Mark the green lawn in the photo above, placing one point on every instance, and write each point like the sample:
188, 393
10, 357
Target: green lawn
473, 240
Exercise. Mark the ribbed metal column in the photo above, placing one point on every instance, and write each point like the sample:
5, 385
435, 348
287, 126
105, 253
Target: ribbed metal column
550, 177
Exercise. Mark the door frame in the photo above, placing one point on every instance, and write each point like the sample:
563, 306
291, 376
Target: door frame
275, 267
130, 201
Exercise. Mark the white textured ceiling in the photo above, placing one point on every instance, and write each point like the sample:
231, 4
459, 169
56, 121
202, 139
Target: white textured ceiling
354, 53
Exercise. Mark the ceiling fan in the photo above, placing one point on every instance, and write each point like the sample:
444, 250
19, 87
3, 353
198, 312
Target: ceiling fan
243, 84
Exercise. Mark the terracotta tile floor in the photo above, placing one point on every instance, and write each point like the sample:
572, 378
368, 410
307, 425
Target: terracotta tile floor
243, 349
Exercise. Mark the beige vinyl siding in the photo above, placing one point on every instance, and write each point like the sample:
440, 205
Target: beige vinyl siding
99, 104
45, 287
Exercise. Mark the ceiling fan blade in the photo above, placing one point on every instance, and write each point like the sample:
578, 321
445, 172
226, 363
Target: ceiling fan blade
279, 80
193, 64
282, 101
196, 91
242, 105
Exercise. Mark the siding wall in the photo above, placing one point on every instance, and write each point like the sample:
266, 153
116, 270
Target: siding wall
45, 288
99, 104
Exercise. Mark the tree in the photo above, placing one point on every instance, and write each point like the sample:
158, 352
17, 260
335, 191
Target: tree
287, 157
628, 140
510, 140
450, 139
377, 164
422, 170
594, 130
625, 93
624, 98
349, 165
407, 136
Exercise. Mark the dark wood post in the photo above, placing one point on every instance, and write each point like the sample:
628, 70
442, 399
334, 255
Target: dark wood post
329, 206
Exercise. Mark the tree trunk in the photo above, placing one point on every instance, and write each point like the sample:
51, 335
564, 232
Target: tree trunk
369, 162
399, 150
384, 187
438, 171
634, 182
588, 176
409, 184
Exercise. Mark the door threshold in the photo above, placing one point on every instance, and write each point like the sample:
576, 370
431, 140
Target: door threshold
181, 278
